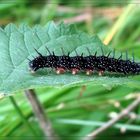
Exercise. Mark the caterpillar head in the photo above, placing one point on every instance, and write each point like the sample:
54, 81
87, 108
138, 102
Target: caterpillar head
37, 63
41, 62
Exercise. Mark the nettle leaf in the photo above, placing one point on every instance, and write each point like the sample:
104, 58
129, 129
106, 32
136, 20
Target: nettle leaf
17, 44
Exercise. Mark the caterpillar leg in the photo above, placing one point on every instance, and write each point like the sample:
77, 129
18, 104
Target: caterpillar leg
60, 70
74, 71
32, 71
101, 72
89, 72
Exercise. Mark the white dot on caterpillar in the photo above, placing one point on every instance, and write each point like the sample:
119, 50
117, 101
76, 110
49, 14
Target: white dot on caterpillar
60, 71
100, 72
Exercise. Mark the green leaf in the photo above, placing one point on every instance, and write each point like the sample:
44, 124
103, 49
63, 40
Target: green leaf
17, 44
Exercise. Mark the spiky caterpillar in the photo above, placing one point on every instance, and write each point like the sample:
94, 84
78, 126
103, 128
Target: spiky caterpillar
89, 64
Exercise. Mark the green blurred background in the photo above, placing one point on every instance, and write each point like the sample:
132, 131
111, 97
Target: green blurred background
71, 110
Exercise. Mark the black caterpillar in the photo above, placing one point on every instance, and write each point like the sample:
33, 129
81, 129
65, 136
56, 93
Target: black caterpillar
89, 64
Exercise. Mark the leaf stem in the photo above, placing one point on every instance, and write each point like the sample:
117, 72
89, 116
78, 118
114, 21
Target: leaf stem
39, 112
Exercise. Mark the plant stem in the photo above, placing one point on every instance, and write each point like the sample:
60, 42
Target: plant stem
39, 112
25, 121
119, 23
111, 122
97, 123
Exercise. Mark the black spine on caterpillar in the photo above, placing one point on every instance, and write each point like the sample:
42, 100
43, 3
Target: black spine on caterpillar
80, 63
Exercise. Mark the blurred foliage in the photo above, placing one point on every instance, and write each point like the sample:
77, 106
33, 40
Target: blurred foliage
90, 103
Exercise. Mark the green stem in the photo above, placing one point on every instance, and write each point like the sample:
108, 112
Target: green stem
119, 23
25, 121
